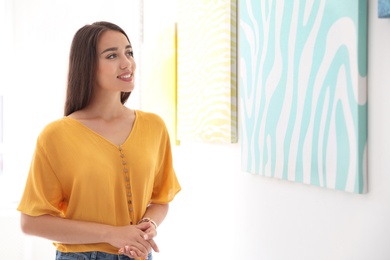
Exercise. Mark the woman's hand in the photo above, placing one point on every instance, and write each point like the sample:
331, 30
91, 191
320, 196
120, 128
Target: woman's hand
157, 212
131, 240
138, 238
150, 230
149, 233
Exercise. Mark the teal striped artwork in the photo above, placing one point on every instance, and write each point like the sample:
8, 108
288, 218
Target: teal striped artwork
303, 91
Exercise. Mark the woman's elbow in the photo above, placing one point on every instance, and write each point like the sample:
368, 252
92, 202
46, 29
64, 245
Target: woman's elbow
27, 223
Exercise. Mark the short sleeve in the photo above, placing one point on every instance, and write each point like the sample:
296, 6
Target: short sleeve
42, 194
166, 184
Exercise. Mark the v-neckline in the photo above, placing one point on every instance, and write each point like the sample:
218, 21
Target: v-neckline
90, 130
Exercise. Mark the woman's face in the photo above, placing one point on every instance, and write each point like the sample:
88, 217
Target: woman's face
116, 66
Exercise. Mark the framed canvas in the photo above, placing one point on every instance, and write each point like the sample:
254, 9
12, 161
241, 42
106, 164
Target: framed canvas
384, 8
207, 71
303, 84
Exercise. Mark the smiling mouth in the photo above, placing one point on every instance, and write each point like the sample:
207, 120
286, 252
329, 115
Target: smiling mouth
127, 76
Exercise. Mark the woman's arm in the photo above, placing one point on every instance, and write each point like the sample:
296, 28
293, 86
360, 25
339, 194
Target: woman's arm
157, 212
79, 232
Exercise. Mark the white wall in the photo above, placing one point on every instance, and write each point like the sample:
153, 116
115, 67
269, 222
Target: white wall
35, 39
278, 220
230, 214
222, 212
36, 68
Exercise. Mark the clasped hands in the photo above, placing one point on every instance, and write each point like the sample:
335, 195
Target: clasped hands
139, 240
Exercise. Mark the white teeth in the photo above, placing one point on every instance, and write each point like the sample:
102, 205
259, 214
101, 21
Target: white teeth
125, 76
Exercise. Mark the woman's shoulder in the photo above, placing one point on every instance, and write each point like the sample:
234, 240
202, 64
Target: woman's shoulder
150, 121
55, 128
149, 116
56, 124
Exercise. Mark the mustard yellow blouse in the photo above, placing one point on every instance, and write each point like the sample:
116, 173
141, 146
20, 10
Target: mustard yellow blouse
77, 174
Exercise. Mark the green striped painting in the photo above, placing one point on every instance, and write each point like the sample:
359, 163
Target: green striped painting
303, 91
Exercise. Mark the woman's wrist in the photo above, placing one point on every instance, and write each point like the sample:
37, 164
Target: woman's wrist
148, 220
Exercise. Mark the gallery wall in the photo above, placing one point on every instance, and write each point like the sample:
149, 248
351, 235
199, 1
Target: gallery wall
222, 212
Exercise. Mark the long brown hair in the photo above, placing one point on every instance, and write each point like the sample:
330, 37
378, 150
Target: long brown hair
83, 65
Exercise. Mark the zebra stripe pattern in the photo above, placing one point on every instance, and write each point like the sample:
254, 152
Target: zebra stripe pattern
303, 102
207, 71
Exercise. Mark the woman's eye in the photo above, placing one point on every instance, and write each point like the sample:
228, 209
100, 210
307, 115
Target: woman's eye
112, 56
130, 54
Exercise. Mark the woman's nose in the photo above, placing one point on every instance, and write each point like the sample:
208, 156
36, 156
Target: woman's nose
125, 63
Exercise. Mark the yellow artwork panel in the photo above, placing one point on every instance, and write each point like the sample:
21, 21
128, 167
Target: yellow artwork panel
207, 71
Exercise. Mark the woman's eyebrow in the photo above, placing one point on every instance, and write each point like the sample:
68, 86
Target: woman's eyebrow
115, 49
109, 49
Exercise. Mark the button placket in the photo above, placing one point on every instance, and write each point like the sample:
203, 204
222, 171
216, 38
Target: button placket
126, 176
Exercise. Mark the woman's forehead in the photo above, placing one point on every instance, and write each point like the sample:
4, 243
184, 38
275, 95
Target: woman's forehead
112, 39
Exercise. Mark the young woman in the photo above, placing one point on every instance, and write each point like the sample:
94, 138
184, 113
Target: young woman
101, 177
